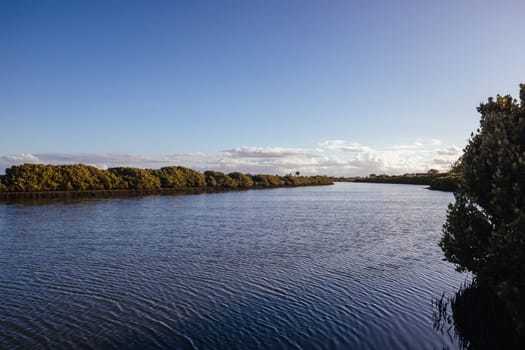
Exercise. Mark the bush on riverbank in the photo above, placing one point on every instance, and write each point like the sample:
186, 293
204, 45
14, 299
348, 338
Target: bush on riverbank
485, 228
79, 177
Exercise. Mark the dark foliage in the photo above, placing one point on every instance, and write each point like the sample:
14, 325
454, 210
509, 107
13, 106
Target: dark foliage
485, 228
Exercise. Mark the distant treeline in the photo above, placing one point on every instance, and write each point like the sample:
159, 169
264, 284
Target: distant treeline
437, 181
79, 177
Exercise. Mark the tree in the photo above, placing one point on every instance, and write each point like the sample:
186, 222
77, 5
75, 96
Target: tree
485, 228
137, 179
219, 179
243, 181
171, 177
3, 187
193, 178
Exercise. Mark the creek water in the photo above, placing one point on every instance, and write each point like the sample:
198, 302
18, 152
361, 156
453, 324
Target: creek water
348, 266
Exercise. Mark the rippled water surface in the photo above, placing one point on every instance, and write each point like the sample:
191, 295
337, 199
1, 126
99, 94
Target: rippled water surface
349, 266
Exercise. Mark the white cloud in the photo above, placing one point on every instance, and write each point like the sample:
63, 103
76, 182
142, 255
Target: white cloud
441, 161
344, 146
418, 144
332, 157
20, 158
418, 156
272, 160
268, 152
449, 151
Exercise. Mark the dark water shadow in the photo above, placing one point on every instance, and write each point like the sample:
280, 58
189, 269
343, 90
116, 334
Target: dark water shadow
475, 319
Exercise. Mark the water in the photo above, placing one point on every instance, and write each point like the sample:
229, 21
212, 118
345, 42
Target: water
349, 266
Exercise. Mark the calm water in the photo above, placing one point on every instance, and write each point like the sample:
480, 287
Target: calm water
349, 266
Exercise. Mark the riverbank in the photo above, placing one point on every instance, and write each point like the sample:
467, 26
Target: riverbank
447, 182
39, 181
72, 195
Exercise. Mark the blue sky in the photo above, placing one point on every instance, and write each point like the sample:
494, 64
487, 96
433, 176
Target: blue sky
333, 87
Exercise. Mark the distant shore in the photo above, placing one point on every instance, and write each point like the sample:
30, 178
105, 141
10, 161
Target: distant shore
447, 182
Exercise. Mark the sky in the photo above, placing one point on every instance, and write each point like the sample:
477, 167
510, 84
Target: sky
339, 88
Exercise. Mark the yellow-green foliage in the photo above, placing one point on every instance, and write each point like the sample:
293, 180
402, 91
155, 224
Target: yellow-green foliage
243, 181
218, 179
39, 177
193, 178
180, 177
290, 180
268, 180
137, 179
78, 177
171, 177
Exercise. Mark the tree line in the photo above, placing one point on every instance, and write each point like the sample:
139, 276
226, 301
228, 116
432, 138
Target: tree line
437, 181
80, 177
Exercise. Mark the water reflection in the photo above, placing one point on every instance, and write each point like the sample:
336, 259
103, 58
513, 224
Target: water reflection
475, 319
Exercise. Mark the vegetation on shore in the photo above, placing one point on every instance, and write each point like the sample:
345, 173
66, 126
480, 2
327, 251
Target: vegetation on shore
434, 179
485, 228
79, 177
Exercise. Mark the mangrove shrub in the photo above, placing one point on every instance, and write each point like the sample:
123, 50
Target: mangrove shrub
485, 228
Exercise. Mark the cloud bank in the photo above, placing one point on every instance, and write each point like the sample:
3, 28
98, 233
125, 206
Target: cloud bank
331, 157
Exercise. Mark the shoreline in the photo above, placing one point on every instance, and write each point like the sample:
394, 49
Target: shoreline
128, 193
441, 183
